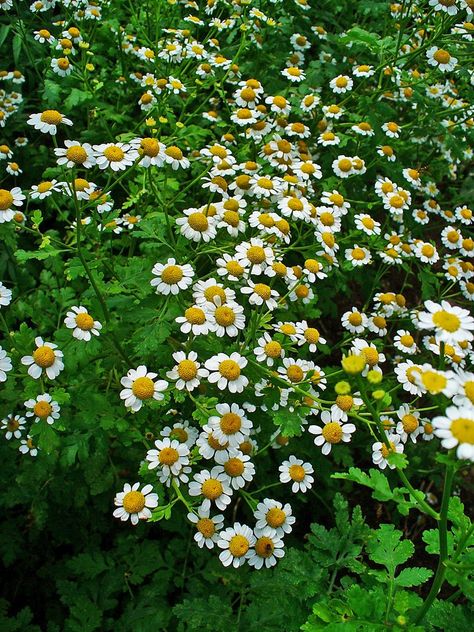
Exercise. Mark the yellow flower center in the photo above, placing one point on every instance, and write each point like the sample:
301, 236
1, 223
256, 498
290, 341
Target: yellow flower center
224, 316
230, 423
214, 290
187, 370
328, 239
234, 467
311, 335
295, 373
275, 517
410, 423
238, 545
371, 355
143, 388
198, 222
234, 268
264, 547
345, 402
365, 127
179, 434
264, 291
168, 456
6, 199
442, 56
355, 318
13, 424
133, 502
332, 432
149, 147
427, 250
171, 275
212, 488
206, 527
44, 357
114, 153
229, 369
256, 254
397, 201
42, 409
433, 382
463, 430
297, 473
52, 117
445, 320
358, 254
386, 451
232, 218
84, 321
407, 340
195, 315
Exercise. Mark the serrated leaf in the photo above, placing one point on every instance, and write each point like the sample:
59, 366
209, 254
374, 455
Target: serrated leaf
386, 548
413, 576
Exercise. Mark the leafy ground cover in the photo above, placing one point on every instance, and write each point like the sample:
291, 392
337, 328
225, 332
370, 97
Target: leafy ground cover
237, 342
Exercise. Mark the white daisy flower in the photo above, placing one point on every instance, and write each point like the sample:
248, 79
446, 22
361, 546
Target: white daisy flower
293, 74
195, 320
182, 432
75, 153
269, 350
381, 452
293, 369
117, 156
82, 323
230, 426
13, 426
404, 342
408, 375
228, 318
171, 277
226, 371
260, 293
187, 372
214, 486
48, 121
43, 408
175, 158
170, 456
273, 518
5, 365
354, 321
237, 543
343, 166
341, 84
207, 527
45, 189
451, 324
456, 429
298, 473
206, 292
267, 550
8, 200
46, 357
196, 225
135, 504
367, 224
332, 432
139, 387
409, 424
358, 256
441, 59
28, 447
230, 268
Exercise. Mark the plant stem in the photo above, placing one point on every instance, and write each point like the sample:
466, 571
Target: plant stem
443, 545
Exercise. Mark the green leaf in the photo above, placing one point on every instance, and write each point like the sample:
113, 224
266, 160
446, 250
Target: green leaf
413, 576
17, 45
386, 548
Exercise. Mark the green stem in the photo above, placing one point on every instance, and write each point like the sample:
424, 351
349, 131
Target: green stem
443, 545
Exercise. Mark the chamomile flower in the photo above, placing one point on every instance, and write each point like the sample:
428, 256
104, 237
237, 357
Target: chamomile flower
237, 466
135, 504
46, 357
214, 486
332, 432
255, 255
273, 518
404, 342
207, 527
139, 386
298, 473
13, 426
182, 431
341, 84
433, 381
450, 323
456, 430
116, 156
43, 408
267, 550
269, 350
358, 256
227, 319
195, 321
409, 425
82, 323
230, 426
293, 74
28, 447
343, 166
261, 294
5, 365
226, 371
187, 373
74, 154
441, 59
236, 543
48, 121
171, 277
196, 225
9, 199
171, 457
381, 452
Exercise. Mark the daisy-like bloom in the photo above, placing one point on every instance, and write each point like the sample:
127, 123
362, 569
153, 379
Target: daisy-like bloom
391, 129
294, 74
214, 486
451, 324
151, 151
426, 252
75, 153
309, 102
46, 357
5, 365
267, 550
441, 59
43, 408
229, 267
61, 66
363, 71
309, 335
208, 445
13, 169
381, 452
293, 370
230, 426
82, 323
207, 527
139, 386
9, 199
175, 158
182, 432
465, 394
372, 356
135, 504
117, 156
279, 105
228, 318
195, 320
409, 424
171, 277
328, 138
196, 225
343, 166
404, 342
260, 293
28, 447
407, 375
332, 111
13, 426
172, 459
363, 128
341, 84
456, 428
45, 189
447, 6
298, 473
226, 371
358, 256
237, 466
273, 519
432, 381
48, 121
237, 543
367, 224
269, 350
331, 432
187, 372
